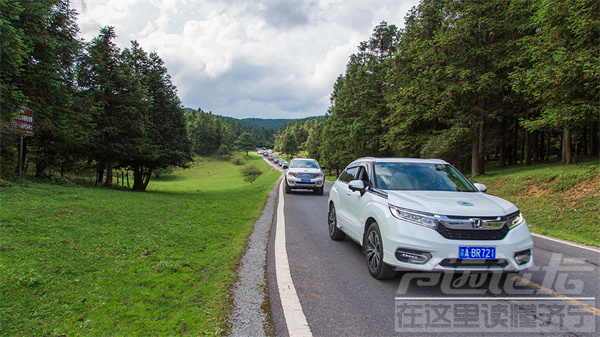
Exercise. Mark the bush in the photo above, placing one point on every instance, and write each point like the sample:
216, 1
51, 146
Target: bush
250, 173
223, 150
237, 160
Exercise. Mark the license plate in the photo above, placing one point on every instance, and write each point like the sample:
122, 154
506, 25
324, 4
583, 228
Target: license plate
476, 252
305, 180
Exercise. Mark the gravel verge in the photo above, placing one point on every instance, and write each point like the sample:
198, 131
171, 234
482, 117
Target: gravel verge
250, 291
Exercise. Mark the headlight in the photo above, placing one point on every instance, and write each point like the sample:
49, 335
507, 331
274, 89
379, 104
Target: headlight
422, 219
515, 220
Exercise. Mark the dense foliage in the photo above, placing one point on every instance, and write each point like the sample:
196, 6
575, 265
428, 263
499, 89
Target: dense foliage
96, 107
466, 81
514, 81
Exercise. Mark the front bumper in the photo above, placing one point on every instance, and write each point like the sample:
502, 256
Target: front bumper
309, 184
426, 250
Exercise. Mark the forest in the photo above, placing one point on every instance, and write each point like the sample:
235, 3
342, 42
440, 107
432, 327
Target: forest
514, 82
97, 108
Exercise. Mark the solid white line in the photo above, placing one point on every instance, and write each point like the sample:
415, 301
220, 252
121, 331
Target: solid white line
292, 309
569, 243
491, 298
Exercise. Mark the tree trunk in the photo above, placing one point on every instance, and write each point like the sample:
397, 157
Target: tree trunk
475, 151
137, 179
535, 147
526, 147
481, 148
141, 178
595, 139
567, 152
109, 173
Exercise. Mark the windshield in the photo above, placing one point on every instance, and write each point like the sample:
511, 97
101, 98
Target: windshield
420, 176
304, 164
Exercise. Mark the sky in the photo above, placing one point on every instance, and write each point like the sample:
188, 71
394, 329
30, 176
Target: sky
246, 59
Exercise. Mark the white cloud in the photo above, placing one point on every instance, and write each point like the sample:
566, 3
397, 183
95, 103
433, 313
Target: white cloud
268, 59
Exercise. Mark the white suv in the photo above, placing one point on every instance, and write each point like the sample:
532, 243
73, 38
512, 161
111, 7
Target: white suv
423, 214
304, 174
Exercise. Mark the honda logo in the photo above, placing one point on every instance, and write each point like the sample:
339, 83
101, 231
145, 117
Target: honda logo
476, 223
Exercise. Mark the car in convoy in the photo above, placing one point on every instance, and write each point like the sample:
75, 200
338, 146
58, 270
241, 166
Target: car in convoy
425, 215
306, 174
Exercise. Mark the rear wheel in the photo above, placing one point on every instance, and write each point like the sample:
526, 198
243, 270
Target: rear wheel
374, 254
334, 232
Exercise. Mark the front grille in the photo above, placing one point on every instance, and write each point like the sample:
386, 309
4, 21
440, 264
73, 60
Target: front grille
475, 263
472, 234
306, 175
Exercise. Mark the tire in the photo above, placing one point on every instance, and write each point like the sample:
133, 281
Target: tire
374, 254
288, 190
319, 191
334, 232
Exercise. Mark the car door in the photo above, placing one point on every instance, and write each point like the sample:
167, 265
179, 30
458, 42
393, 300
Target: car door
343, 211
355, 201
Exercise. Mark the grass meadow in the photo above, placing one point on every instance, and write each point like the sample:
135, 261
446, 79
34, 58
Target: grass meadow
558, 200
87, 261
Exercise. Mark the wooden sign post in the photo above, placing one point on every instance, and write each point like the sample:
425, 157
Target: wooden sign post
23, 126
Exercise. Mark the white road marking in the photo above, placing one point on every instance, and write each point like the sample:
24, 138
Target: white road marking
292, 309
569, 243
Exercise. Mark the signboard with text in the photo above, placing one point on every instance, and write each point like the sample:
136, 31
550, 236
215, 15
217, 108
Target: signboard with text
23, 122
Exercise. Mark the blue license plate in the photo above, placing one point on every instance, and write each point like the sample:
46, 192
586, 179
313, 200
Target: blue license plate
305, 180
476, 252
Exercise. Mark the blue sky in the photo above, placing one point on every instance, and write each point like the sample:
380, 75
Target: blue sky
263, 59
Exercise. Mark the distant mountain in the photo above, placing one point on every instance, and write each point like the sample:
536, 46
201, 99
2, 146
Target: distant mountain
259, 123
269, 123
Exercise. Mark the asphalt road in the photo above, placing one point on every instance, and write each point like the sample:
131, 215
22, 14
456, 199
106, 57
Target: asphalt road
340, 298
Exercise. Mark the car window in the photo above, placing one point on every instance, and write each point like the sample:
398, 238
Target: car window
363, 175
348, 174
304, 164
420, 176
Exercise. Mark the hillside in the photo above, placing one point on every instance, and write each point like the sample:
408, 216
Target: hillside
270, 123
558, 200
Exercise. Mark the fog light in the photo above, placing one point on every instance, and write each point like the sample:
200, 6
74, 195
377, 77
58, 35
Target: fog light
523, 257
412, 256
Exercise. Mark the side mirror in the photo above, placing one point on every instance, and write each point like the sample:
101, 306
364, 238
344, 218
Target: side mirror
357, 185
480, 187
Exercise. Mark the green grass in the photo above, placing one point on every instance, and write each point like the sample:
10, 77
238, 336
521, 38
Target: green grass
558, 200
95, 261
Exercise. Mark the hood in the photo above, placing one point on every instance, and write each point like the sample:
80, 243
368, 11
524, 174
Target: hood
471, 204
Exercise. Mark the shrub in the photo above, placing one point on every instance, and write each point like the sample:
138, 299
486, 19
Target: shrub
237, 160
250, 173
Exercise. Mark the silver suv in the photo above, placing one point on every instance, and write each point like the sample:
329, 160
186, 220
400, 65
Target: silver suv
304, 174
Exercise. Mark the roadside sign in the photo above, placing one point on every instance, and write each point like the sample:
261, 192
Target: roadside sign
23, 123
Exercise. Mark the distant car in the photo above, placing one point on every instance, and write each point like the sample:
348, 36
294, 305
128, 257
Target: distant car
423, 214
271, 157
304, 173
285, 165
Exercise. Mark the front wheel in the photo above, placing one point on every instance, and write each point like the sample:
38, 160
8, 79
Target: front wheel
374, 249
288, 190
334, 232
319, 190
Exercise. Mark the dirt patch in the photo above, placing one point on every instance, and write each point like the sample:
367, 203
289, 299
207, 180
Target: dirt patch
589, 188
